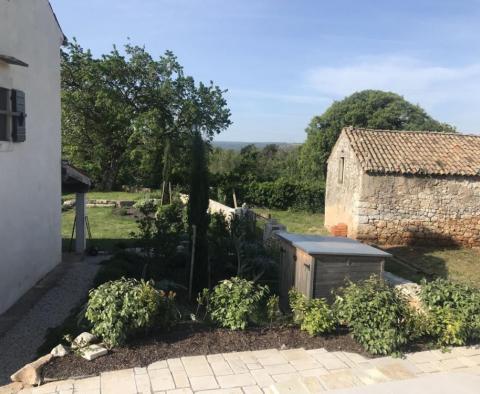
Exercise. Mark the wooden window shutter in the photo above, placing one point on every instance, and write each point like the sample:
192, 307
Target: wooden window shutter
18, 121
4, 114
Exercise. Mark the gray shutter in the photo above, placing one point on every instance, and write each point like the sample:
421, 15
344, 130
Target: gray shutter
3, 115
18, 107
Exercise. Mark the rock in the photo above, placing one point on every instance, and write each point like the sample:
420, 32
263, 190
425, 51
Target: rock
84, 339
12, 388
31, 373
69, 203
92, 352
59, 351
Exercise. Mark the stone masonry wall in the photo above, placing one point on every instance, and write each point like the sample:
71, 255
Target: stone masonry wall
341, 197
399, 210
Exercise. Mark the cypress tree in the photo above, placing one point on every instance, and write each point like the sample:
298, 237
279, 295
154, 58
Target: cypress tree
197, 209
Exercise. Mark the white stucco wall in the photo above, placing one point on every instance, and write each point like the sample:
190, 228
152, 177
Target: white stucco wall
30, 184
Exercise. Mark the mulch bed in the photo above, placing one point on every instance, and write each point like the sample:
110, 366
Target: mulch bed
190, 339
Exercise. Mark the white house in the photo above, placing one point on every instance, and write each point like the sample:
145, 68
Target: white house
30, 138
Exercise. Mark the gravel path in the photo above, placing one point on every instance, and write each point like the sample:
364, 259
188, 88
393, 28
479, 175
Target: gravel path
20, 342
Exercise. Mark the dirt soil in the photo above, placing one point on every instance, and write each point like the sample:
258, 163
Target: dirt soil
191, 339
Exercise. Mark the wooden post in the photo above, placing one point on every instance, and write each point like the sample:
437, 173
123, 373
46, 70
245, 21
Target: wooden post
192, 261
170, 191
163, 193
235, 200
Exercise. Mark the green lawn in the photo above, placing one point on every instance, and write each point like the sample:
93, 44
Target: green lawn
298, 221
457, 264
109, 229
115, 195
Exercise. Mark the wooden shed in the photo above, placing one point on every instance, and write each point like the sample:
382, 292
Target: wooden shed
316, 265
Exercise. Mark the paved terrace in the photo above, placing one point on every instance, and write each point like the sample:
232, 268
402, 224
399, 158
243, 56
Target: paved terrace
288, 371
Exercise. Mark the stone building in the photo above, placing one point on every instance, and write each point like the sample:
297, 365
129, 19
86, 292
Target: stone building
403, 187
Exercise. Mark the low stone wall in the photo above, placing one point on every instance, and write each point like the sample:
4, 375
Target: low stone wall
100, 203
401, 210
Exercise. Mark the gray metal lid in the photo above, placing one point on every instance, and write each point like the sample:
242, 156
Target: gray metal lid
340, 246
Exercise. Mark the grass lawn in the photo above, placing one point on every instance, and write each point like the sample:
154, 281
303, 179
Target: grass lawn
298, 221
108, 228
115, 195
457, 264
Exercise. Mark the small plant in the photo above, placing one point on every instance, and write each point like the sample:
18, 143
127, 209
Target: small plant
167, 310
452, 310
313, 315
118, 309
234, 302
375, 313
273, 308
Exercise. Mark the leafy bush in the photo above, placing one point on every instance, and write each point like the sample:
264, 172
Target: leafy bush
313, 315
285, 193
273, 308
121, 308
453, 312
234, 302
376, 314
160, 232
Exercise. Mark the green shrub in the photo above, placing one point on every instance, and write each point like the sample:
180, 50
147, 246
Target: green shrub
286, 193
376, 314
146, 204
234, 303
121, 308
167, 313
314, 315
453, 312
273, 308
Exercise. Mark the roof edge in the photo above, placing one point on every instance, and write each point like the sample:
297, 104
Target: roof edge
64, 37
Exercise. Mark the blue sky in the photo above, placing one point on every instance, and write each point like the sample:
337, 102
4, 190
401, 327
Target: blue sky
285, 61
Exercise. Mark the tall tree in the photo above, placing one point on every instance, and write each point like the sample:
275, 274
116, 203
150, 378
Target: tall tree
369, 108
197, 208
125, 116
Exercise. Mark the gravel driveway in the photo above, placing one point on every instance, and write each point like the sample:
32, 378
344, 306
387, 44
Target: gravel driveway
54, 297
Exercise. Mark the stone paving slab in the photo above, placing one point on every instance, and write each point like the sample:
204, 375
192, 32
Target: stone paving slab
276, 372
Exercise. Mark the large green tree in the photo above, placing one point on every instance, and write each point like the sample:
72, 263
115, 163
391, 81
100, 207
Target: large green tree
370, 109
125, 115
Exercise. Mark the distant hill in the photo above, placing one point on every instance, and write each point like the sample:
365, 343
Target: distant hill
238, 145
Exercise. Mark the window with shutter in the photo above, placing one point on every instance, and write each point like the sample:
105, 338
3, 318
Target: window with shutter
18, 113
4, 112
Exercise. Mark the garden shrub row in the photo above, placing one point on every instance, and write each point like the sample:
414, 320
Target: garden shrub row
285, 194
377, 315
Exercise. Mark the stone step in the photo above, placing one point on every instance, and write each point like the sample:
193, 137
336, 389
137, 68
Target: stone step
440, 383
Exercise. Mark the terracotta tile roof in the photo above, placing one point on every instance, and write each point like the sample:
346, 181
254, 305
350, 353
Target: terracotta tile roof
416, 152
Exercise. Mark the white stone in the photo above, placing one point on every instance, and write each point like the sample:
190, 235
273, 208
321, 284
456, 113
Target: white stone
84, 339
59, 351
92, 352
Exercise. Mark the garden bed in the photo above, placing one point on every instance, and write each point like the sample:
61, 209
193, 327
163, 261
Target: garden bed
190, 339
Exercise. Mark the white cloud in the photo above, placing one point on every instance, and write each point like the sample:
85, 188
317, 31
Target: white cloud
450, 94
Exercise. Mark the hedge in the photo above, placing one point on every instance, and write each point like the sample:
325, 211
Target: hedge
285, 194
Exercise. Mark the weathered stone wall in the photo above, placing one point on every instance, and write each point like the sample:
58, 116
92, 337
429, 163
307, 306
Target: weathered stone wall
399, 210
341, 198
